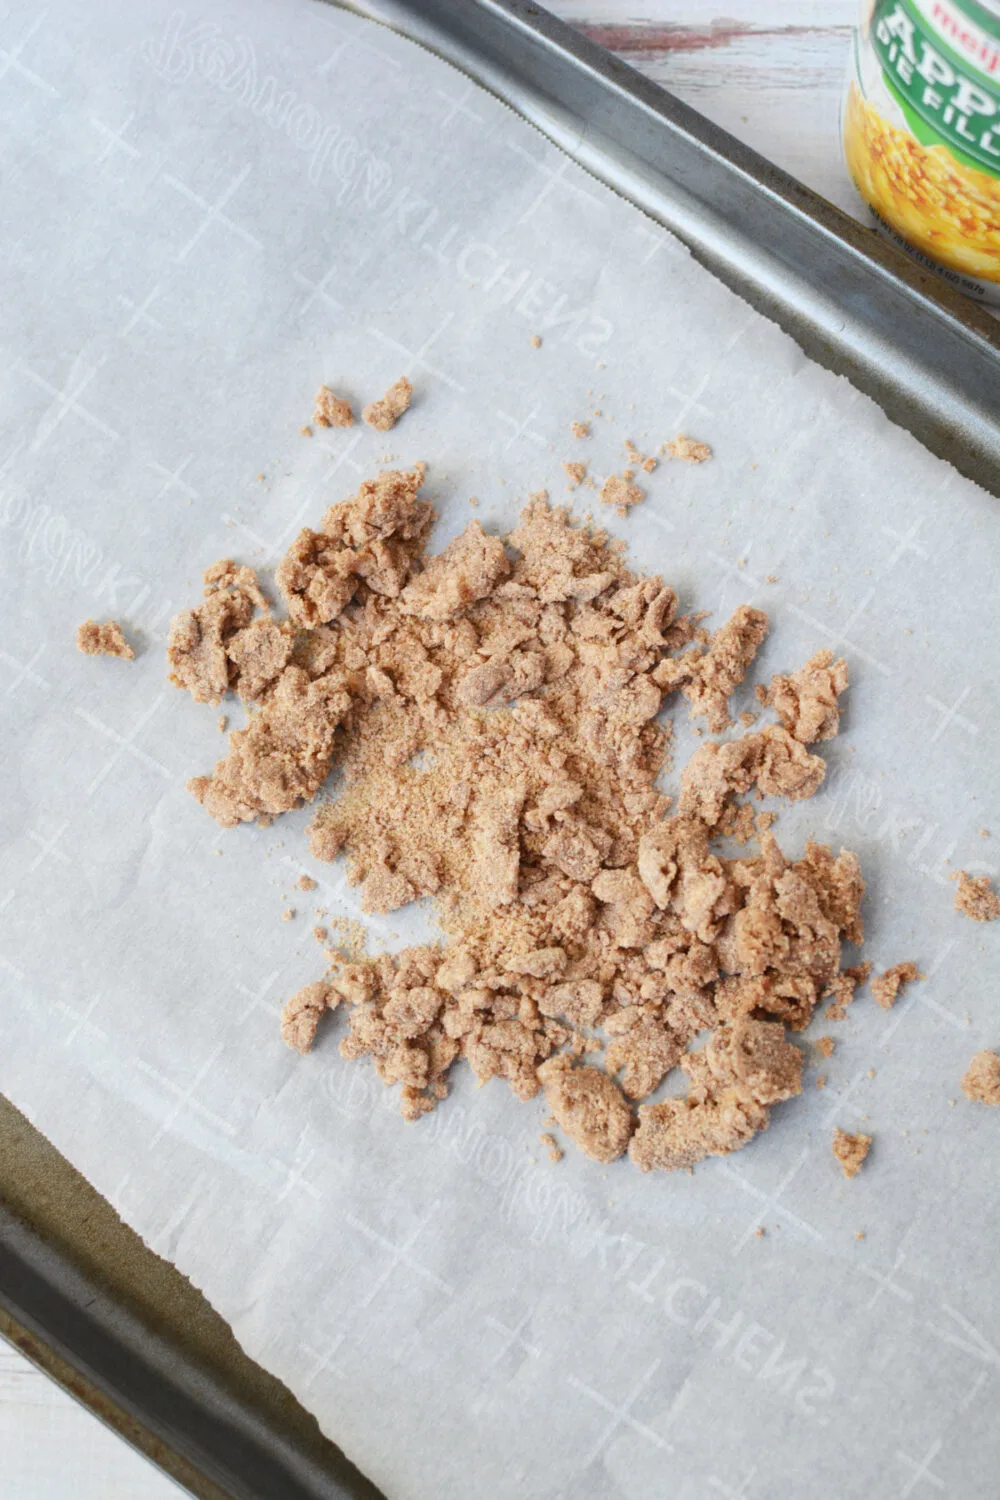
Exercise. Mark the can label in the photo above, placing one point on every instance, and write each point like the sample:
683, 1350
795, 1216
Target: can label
922, 131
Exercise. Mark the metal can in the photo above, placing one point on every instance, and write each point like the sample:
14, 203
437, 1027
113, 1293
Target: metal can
921, 130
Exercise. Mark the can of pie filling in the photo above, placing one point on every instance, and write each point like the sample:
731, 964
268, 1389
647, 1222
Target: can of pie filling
921, 130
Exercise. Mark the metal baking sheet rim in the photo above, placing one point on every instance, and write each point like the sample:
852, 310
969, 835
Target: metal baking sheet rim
49, 1303
926, 353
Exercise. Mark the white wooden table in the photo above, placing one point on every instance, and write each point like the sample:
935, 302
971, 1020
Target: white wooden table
769, 71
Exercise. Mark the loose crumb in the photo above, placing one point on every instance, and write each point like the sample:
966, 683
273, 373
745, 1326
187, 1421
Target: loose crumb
687, 449
759, 1231
821, 1080
886, 987
825, 1046
976, 898
580, 429
535, 341
288, 914
981, 1082
320, 934
331, 410
386, 413
552, 1147
105, 639
222, 723
639, 460
306, 431
575, 473
306, 883
619, 491
850, 1150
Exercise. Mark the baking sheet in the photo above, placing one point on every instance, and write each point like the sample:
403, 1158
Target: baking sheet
209, 212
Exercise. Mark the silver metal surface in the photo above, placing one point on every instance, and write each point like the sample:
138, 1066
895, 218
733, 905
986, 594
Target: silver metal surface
928, 355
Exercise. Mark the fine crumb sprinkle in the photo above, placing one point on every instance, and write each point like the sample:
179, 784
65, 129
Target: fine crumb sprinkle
981, 1082
976, 898
850, 1150
552, 1146
385, 413
306, 883
825, 1045
288, 914
535, 341
637, 459
575, 474
580, 429
886, 987
619, 491
105, 639
330, 411
687, 449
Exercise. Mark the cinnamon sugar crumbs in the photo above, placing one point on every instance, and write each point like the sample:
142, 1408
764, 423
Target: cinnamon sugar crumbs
321, 934
580, 429
619, 491
492, 710
639, 460
976, 898
330, 411
576, 473
981, 1082
552, 1147
306, 883
850, 1150
886, 987
842, 988
105, 639
386, 412
687, 449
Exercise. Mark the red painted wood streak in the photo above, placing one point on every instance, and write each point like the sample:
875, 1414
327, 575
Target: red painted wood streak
638, 37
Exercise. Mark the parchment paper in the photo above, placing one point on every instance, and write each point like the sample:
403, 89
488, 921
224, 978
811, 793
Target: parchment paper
206, 213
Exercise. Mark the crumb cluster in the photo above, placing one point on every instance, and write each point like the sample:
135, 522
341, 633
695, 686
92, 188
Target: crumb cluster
851, 1150
976, 898
494, 711
981, 1082
106, 639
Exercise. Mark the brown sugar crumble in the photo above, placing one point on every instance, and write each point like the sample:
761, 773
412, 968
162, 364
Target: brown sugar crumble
825, 1046
552, 1147
580, 429
330, 411
981, 1082
619, 491
687, 449
850, 1150
842, 988
104, 639
385, 413
492, 710
886, 987
976, 898
306, 883
576, 473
